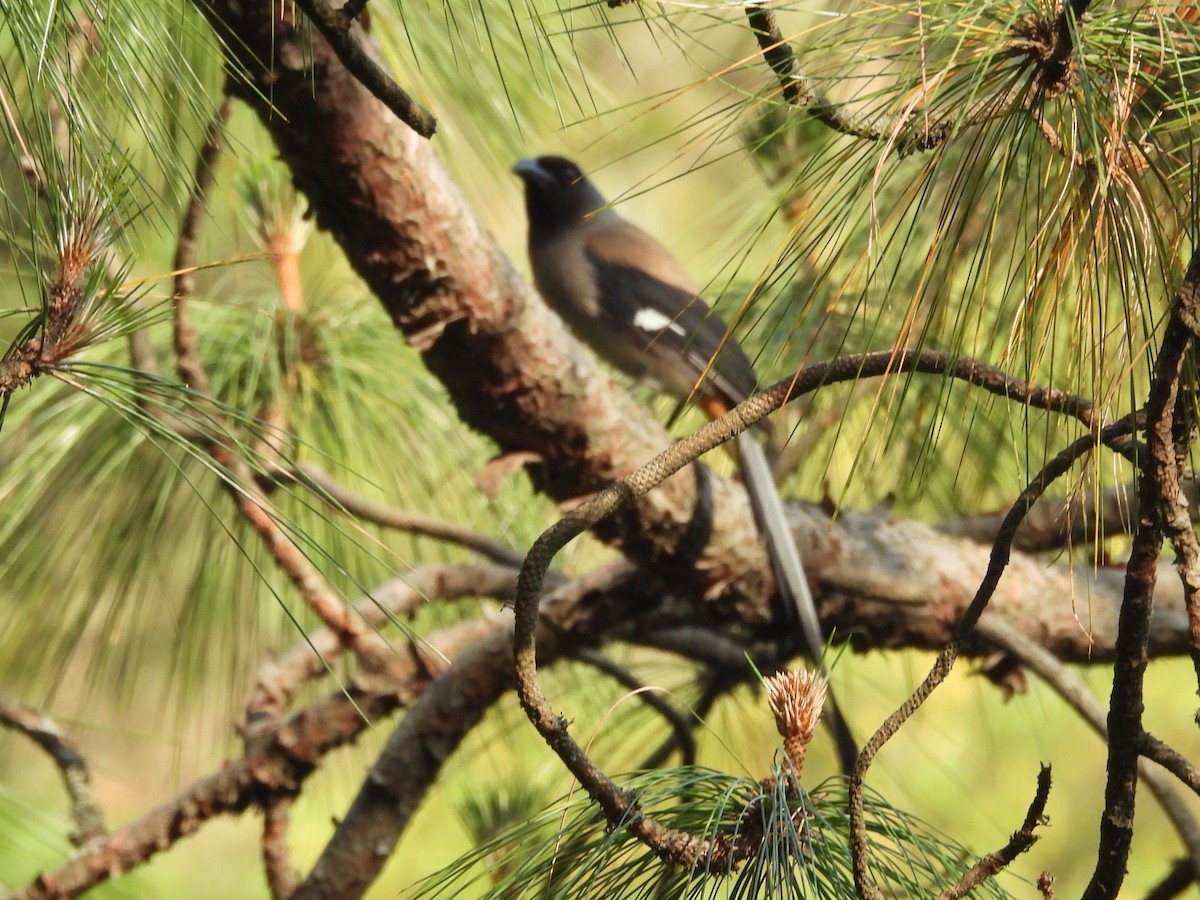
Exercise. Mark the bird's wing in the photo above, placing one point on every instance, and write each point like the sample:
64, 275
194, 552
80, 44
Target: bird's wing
647, 293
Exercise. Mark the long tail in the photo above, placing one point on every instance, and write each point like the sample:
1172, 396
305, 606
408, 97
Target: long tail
789, 573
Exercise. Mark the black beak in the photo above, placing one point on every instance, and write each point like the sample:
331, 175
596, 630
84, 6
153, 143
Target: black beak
530, 171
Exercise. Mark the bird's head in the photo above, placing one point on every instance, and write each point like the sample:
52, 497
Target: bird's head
557, 193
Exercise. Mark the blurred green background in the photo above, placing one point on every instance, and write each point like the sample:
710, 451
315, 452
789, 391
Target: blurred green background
135, 605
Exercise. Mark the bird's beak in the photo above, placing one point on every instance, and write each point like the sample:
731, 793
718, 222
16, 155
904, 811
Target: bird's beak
529, 170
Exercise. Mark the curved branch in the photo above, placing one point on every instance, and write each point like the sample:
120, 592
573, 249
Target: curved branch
999, 558
620, 808
681, 723
454, 702
47, 734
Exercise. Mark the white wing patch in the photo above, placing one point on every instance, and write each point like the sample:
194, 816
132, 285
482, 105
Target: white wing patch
653, 321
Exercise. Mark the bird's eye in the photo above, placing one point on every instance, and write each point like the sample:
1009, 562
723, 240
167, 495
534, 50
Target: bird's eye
563, 170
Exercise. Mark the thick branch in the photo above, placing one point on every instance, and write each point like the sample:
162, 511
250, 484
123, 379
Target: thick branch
1055, 523
454, 703
510, 368
275, 762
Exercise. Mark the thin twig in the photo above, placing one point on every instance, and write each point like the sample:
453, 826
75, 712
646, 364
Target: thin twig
339, 30
313, 588
716, 687
47, 734
776, 52
1047, 46
336, 494
796, 87
1052, 138
991, 865
240, 479
1172, 760
1072, 689
187, 362
279, 678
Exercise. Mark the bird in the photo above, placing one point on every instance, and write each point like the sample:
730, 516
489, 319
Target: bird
626, 296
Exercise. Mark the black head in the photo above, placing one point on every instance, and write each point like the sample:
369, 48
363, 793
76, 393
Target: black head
557, 193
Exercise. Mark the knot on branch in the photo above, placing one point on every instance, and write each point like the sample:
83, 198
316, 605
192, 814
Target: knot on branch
921, 133
1187, 303
1047, 44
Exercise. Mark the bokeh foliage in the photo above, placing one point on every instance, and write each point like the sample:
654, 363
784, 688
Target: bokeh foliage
1047, 243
